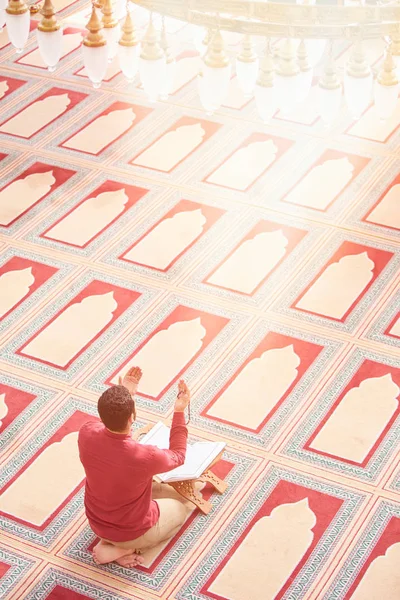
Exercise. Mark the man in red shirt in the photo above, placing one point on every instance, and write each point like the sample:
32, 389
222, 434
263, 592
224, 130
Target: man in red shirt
125, 508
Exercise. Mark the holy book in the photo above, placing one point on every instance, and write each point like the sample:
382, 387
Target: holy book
199, 456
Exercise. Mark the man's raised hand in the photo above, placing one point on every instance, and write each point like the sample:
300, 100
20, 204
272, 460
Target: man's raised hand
131, 379
183, 397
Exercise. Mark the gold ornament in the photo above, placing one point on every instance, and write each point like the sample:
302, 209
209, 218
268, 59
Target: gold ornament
34, 9
247, 53
216, 56
109, 20
128, 37
287, 64
49, 22
302, 57
266, 71
387, 75
395, 45
358, 65
151, 49
207, 38
329, 79
16, 7
165, 46
94, 39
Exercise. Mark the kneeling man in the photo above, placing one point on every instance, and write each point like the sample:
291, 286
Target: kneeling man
125, 508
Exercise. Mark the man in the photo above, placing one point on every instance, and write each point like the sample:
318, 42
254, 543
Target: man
125, 509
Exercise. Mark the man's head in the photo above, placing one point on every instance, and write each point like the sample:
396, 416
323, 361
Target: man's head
116, 408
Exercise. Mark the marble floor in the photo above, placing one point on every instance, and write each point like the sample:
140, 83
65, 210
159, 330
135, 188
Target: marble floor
267, 258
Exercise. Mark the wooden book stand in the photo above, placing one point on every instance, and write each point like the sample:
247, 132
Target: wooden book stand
187, 487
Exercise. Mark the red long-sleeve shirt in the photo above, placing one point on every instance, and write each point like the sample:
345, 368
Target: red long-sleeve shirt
119, 473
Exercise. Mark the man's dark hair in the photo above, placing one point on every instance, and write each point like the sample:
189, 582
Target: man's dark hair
115, 406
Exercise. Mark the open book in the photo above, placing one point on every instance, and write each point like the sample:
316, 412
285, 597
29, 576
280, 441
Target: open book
199, 456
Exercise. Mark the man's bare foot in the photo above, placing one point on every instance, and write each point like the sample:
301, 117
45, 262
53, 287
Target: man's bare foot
131, 379
130, 560
104, 553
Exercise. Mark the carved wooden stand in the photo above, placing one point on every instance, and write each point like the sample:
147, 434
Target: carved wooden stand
187, 487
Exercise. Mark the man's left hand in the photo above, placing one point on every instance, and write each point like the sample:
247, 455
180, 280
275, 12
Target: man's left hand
131, 379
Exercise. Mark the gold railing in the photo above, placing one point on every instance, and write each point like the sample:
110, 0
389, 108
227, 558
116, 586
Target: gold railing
283, 20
